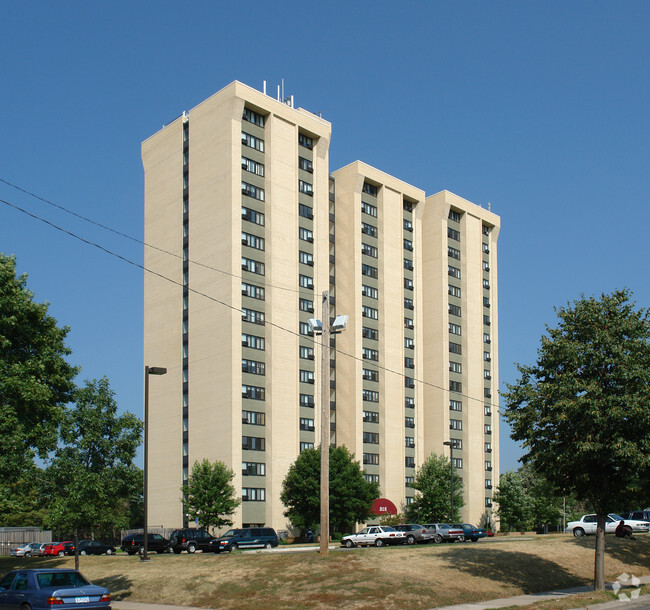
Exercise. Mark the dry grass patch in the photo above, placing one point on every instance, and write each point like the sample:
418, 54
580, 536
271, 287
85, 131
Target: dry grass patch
394, 577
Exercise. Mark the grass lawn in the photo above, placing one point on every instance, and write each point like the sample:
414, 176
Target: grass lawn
393, 577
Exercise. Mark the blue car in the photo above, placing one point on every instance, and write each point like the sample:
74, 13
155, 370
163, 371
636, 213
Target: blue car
43, 588
471, 533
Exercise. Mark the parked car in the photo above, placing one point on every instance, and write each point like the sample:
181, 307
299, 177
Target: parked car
190, 540
41, 589
94, 547
59, 548
471, 533
587, 525
636, 515
415, 533
245, 538
442, 532
25, 550
134, 543
377, 535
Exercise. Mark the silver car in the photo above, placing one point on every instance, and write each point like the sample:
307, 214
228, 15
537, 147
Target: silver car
415, 533
26, 550
377, 535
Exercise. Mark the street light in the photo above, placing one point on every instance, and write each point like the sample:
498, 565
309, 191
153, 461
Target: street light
148, 370
451, 463
325, 329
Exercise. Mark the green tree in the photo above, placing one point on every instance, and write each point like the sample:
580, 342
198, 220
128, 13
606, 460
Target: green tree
210, 495
433, 503
351, 496
583, 409
35, 379
514, 504
91, 474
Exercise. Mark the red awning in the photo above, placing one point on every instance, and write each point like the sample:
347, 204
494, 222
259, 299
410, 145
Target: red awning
383, 506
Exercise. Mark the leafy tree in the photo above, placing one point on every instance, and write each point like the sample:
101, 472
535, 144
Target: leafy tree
433, 481
515, 505
583, 409
210, 494
92, 475
351, 496
23, 502
35, 379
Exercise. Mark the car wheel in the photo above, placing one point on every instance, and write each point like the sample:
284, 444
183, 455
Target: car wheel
461, 538
109, 551
410, 540
437, 538
578, 532
349, 544
25, 607
61, 553
268, 545
28, 555
82, 552
379, 542
141, 550
191, 548
234, 547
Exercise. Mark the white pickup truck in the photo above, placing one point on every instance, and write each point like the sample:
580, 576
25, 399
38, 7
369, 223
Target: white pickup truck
587, 525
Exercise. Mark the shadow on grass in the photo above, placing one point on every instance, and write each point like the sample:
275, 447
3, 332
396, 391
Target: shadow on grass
527, 572
631, 552
118, 585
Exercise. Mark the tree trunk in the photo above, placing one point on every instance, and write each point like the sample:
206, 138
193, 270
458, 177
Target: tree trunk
599, 559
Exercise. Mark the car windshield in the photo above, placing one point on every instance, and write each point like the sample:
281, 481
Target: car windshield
616, 517
231, 533
61, 579
388, 528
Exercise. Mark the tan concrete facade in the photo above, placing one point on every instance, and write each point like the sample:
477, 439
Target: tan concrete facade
243, 236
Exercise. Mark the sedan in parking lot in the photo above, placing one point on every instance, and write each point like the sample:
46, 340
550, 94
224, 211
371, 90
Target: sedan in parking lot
587, 525
442, 532
471, 533
42, 589
415, 533
94, 547
377, 535
25, 550
59, 548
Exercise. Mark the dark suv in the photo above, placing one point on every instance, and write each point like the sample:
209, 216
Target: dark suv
190, 540
134, 543
245, 538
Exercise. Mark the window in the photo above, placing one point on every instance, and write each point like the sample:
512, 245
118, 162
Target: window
488, 465
253, 392
305, 211
408, 264
369, 312
486, 338
455, 424
486, 357
409, 442
305, 141
305, 234
456, 443
486, 284
372, 438
306, 376
306, 305
368, 270
488, 447
370, 333
486, 249
252, 241
486, 320
486, 266
487, 429
253, 366
454, 310
454, 329
455, 367
252, 216
256, 418
306, 258
408, 245
306, 165
253, 469
252, 191
408, 304
371, 478
307, 424
369, 209
252, 166
409, 422
486, 230
487, 374
370, 375
307, 353
370, 395
409, 382
253, 494
453, 234
306, 188
304, 446
367, 229
453, 271
253, 117
371, 458
409, 462
408, 284
409, 402
307, 400
253, 443
455, 405
370, 189
252, 341
409, 363
453, 252
453, 215
368, 250
408, 481
369, 354
248, 140
254, 292
408, 225
371, 417
304, 329
488, 502
486, 301
249, 264
408, 322
306, 282
453, 291
457, 463
369, 291
455, 386
409, 343
253, 316
455, 348
488, 483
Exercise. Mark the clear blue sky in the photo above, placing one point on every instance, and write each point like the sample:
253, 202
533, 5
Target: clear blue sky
540, 108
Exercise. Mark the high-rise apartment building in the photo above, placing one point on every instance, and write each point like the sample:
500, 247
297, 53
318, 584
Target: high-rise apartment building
246, 227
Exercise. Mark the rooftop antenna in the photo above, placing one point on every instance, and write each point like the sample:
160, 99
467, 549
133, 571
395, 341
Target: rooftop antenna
264, 87
489, 205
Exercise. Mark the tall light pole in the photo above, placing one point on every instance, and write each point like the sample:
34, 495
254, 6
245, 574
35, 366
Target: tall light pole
450, 444
148, 370
325, 329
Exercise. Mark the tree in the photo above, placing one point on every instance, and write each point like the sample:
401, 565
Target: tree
514, 503
210, 494
583, 409
92, 475
433, 481
35, 379
351, 496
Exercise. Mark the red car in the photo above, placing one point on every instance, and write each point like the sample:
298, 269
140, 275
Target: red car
59, 548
